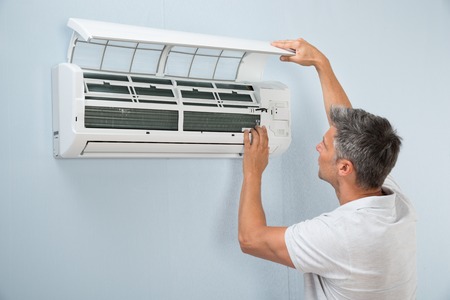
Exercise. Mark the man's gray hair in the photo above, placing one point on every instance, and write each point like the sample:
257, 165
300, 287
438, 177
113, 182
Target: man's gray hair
368, 141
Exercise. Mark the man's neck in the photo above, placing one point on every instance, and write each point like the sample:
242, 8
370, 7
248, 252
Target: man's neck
347, 194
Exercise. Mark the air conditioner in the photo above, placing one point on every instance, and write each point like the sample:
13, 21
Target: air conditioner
129, 91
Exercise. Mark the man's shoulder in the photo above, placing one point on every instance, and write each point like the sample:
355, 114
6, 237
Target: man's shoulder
403, 205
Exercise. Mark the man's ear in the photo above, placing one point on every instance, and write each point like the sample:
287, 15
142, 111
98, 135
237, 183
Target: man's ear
345, 167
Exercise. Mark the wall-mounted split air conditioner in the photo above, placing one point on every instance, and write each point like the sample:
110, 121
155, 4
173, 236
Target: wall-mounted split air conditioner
129, 91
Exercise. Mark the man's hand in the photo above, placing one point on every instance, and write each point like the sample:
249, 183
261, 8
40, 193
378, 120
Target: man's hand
256, 152
305, 53
308, 55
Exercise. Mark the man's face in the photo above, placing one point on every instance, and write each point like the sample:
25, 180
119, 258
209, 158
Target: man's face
327, 159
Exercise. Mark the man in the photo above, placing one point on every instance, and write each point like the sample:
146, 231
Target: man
364, 249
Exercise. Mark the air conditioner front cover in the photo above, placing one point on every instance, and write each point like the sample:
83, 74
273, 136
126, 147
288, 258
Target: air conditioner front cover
129, 91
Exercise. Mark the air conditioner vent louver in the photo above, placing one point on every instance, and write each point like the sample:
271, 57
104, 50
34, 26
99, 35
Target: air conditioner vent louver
195, 84
152, 91
107, 88
234, 86
218, 122
131, 91
235, 97
130, 118
105, 76
194, 94
151, 80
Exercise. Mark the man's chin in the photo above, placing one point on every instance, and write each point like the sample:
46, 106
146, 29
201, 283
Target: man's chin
322, 178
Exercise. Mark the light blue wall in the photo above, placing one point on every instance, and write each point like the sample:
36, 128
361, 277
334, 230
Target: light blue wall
166, 228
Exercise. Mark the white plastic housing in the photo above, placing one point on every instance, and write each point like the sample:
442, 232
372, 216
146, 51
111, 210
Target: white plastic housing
130, 91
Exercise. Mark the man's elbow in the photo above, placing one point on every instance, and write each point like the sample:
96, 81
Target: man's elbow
247, 243
244, 244
266, 244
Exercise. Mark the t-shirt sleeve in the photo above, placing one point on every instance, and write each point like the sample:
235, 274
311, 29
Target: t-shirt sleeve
319, 246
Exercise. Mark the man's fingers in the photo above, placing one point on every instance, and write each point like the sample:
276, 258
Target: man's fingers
289, 45
295, 46
258, 139
286, 44
255, 137
263, 140
246, 138
286, 58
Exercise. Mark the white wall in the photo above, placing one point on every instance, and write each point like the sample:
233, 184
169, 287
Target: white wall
166, 228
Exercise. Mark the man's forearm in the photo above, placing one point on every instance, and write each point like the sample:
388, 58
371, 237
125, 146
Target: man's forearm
251, 212
333, 93
255, 237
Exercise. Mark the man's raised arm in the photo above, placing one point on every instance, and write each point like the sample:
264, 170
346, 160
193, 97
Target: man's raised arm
308, 55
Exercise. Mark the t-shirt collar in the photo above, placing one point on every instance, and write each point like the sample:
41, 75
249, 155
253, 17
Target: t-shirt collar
385, 201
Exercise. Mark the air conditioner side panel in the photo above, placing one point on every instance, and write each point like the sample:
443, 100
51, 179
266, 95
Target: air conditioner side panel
67, 94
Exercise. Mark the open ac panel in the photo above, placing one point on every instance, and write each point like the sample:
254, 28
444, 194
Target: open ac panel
129, 91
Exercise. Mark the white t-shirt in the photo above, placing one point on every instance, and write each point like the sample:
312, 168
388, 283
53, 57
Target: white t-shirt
364, 249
